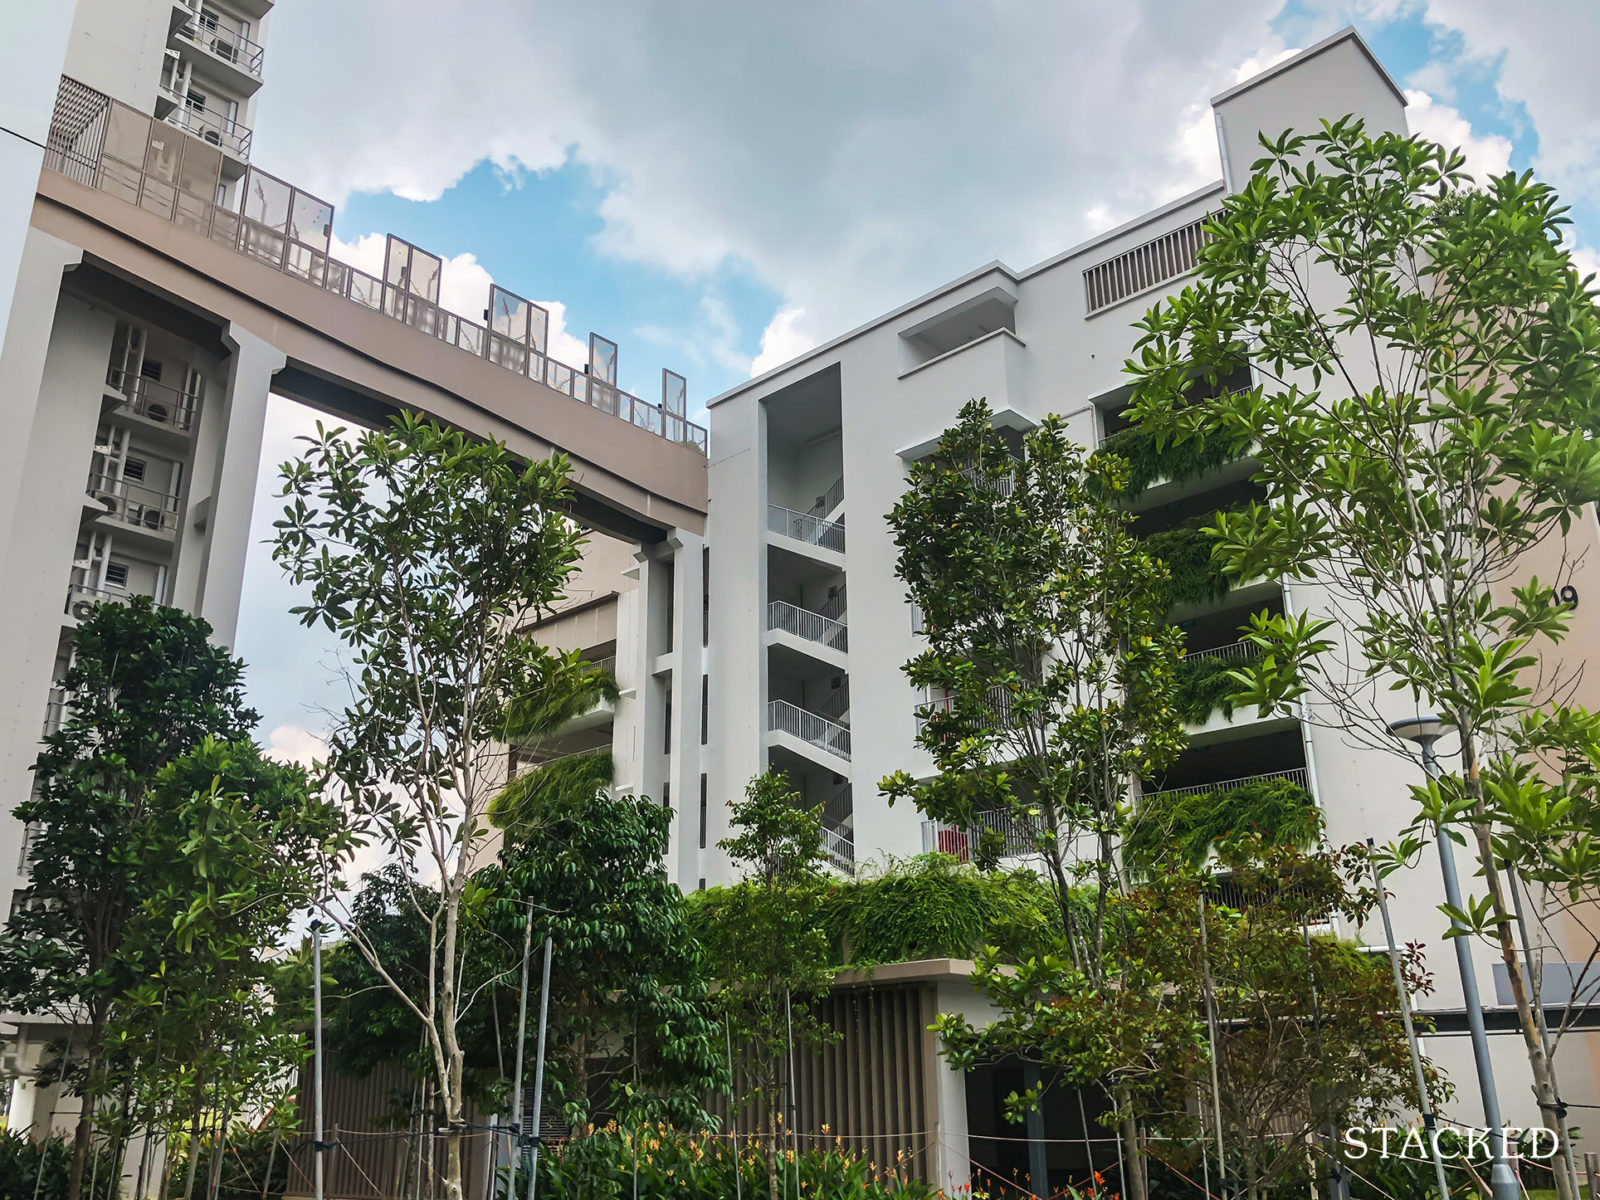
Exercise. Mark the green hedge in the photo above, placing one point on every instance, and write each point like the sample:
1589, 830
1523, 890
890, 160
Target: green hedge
1177, 460
1186, 827
1203, 686
602, 1166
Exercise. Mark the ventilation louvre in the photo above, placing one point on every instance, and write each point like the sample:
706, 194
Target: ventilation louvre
1144, 267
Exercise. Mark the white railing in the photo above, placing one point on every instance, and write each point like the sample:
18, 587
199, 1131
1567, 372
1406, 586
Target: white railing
783, 717
1018, 835
803, 527
840, 849
1000, 485
155, 402
834, 606
229, 44
783, 617
608, 664
55, 710
998, 700
1297, 775
1231, 650
222, 132
135, 505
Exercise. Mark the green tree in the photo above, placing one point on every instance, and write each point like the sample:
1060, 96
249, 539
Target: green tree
765, 948
146, 688
427, 553
1053, 665
629, 1022
1426, 361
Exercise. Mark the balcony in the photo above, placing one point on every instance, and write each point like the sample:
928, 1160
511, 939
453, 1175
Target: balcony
806, 529
828, 504
55, 710
215, 36
232, 138
133, 505
839, 849
998, 701
1295, 775
83, 596
152, 402
808, 729
807, 632
1018, 836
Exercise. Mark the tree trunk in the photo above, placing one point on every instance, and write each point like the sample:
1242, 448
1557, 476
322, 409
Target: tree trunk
83, 1135
772, 1141
194, 1142
1133, 1155
1543, 1085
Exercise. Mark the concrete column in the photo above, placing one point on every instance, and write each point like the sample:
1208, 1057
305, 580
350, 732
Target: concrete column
738, 657
952, 1156
688, 655
22, 357
227, 459
58, 448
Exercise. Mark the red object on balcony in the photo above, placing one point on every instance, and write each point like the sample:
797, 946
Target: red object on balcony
954, 843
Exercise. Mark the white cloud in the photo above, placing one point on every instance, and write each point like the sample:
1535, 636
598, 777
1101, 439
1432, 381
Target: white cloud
1487, 155
848, 156
296, 744
781, 340
563, 346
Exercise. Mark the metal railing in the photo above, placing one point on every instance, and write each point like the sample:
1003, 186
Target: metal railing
76, 150
608, 664
840, 849
1297, 775
223, 132
783, 717
230, 45
829, 500
836, 705
1018, 835
998, 700
804, 527
1000, 485
1239, 649
81, 597
134, 504
55, 710
803, 623
834, 607
155, 402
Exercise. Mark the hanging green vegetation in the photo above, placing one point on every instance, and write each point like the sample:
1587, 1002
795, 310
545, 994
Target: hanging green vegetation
1205, 686
930, 906
1196, 577
1152, 456
1180, 829
934, 906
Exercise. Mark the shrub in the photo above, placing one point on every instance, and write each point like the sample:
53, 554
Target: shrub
1204, 687
1178, 459
21, 1160
1279, 811
601, 1166
1195, 577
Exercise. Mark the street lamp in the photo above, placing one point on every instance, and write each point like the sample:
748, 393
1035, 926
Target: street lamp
1425, 730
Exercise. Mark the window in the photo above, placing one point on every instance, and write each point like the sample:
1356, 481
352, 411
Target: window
195, 100
666, 794
666, 726
1144, 267
705, 597
705, 709
150, 369
704, 812
133, 469
117, 574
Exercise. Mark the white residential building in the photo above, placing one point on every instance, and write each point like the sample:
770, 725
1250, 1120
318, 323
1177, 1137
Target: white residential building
807, 627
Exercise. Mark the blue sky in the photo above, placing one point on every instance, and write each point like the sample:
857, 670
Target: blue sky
716, 185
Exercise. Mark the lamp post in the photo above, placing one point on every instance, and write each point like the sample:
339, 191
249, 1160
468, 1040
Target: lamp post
1425, 731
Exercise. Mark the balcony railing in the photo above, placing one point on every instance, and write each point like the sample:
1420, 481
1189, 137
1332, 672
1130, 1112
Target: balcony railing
1239, 650
1297, 775
998, 700
133, 504
829, 500
783, 717
803, 623
834, 606
1000, 485
227, 44
1018, 835
76, 149
55, 710
840, 849
155, 402
222, 132
803, 527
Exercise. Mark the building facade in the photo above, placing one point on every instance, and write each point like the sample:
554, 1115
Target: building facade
807, 628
